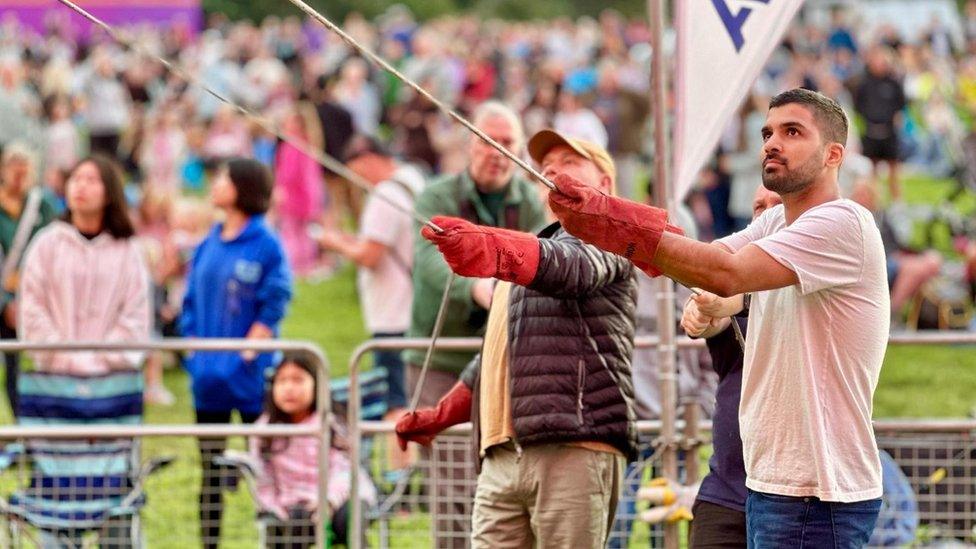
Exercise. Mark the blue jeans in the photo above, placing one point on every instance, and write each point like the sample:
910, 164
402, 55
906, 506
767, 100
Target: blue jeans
782, 521
396, 396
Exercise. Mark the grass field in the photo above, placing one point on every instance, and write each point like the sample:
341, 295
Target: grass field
915, 382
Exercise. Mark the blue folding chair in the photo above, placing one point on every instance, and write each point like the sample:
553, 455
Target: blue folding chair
79, 485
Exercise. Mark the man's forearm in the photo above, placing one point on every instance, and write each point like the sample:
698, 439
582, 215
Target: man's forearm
707, 266
715, 269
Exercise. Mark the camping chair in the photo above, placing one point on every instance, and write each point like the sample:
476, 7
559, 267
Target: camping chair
78, 485
392, 485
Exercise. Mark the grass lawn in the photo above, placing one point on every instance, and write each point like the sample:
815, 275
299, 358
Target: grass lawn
915, 382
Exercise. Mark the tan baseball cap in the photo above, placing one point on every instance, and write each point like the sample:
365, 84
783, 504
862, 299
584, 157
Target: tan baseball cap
543, 141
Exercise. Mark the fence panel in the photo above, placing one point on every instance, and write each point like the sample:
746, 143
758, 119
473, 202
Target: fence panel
938, 458
113, 483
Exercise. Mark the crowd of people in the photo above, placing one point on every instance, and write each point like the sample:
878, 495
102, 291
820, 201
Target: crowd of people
914, 102
199, 220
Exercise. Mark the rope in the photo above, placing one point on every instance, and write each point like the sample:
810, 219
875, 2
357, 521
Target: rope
320, 157
735, 324
337, 166
317, 155
436, 333
738, 334
382, 63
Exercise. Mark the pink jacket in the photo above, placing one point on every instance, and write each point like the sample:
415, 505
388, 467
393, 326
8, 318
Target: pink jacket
290, 477
76, 289
299, 183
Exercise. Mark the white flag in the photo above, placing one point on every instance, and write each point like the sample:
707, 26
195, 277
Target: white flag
722, 47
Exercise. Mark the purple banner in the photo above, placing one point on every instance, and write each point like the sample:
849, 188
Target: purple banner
40, 15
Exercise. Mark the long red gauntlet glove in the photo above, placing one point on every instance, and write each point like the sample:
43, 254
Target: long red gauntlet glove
425, 424
485, 252
610, 223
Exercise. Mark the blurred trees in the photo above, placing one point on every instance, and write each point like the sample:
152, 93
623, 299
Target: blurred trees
337, 10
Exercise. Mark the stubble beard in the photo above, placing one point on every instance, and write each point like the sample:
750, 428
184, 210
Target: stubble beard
790, 181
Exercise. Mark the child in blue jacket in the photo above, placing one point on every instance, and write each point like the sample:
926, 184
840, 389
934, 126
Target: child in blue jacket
239, 285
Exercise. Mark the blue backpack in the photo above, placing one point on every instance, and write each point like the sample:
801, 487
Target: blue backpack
898, 519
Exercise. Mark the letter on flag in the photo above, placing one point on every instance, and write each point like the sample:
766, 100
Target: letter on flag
722, 47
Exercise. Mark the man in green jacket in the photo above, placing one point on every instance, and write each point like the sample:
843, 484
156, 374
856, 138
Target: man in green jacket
488, 192
24, 210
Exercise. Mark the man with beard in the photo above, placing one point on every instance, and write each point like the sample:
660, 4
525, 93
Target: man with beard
814, 268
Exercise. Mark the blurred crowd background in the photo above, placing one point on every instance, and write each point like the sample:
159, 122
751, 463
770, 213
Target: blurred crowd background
912, 97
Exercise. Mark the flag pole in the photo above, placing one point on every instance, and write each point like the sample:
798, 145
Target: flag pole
664, 198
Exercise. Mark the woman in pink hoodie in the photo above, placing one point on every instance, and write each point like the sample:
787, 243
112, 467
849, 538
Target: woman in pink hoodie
298, 188
84, 278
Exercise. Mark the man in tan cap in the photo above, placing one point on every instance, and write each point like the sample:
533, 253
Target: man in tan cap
550, 393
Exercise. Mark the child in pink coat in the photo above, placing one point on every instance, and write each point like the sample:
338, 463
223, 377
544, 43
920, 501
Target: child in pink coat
288, 477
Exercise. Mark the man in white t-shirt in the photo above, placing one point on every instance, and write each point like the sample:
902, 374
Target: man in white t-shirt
818, 323
383, 251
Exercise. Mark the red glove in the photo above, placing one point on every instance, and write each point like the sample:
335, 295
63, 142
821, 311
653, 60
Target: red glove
485, 252
425, 424
613, 224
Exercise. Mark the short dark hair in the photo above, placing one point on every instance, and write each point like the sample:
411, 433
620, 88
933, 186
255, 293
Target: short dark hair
252, 180
115, 216
828, 114
361, 145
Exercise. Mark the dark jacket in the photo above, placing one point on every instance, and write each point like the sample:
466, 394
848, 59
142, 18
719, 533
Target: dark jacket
725, 483
571, 336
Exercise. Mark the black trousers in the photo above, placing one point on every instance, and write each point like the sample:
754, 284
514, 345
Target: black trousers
716, 527
12, 362
298, 532
107, 144
214, 478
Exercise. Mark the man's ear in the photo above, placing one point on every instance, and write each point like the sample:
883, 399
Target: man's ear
606, 184
834, 155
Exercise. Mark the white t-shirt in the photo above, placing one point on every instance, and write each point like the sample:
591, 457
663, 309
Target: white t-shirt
813, 355
386, 291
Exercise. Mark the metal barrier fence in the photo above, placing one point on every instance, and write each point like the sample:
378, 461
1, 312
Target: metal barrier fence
938, 459
942, 510
68, 506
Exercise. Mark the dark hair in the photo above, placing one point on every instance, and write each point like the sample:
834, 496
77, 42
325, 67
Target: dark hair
360, 145
115, 215
253, 183
828, 114
275, 414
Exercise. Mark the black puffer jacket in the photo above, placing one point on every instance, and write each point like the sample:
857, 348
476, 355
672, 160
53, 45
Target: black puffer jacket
571, 337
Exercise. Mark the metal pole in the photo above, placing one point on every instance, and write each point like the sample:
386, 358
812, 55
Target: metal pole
325, 448
355, 446
665, 305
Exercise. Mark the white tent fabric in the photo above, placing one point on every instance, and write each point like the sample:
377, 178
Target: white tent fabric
722, 47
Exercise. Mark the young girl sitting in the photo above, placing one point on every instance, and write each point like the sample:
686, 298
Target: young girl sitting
288, 479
